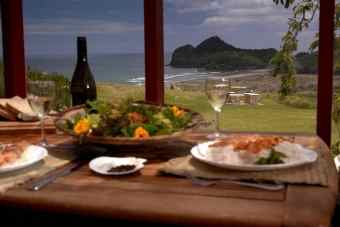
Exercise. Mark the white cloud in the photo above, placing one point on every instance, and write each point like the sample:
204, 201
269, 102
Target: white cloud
234, 12
76, 26
223, 21
191, 6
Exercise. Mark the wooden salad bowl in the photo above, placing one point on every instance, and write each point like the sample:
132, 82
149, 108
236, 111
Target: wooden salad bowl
197, 120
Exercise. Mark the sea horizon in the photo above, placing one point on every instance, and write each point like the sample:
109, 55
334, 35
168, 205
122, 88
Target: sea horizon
110, 67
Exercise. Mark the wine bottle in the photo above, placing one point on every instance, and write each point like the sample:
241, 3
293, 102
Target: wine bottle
83, 85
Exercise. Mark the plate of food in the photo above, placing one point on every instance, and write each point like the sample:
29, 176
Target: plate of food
18, 156
127, 123
254, 153
116, 166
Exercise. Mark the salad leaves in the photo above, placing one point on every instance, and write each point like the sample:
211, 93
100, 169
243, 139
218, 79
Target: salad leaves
129, 119
274, 157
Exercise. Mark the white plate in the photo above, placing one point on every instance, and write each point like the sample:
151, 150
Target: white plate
102, 165
229, 159
31, 155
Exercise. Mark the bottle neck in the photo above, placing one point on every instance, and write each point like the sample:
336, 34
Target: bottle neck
82, 49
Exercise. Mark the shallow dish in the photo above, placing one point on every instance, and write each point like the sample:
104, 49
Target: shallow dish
197, 120
102, 165
31, 155
228, 160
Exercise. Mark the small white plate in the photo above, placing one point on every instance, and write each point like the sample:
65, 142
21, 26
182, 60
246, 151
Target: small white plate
102, 165
228, 159
31, 155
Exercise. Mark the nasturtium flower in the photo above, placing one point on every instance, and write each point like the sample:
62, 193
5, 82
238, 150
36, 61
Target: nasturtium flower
141, 133
177, 112
82, 127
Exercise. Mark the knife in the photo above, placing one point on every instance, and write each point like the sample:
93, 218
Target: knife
41, 182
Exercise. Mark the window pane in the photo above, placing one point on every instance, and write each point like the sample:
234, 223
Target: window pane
336, 86
115, 41
237, 40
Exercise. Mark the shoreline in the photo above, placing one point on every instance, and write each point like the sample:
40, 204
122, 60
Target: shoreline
259, 80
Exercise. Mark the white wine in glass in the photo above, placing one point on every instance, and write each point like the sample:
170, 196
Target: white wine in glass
216, 90
41, 95
40, 105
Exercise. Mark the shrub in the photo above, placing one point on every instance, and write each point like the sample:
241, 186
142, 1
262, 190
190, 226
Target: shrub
63, 95
299, 101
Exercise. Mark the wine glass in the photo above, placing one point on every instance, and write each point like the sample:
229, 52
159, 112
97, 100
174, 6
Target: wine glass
41, 96
216, 90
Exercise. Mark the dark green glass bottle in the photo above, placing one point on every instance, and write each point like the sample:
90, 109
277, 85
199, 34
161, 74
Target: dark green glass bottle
83, 85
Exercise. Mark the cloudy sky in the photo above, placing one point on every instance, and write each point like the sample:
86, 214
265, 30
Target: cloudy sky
116, 26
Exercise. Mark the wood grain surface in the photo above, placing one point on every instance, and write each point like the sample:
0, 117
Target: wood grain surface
152, 198
15, 127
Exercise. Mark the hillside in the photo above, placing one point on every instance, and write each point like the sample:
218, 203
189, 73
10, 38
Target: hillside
215, 54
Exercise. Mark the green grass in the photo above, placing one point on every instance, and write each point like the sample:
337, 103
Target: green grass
270, 117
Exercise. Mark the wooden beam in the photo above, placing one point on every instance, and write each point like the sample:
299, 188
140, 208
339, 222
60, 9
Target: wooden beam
154, 51
13, 47
325, 78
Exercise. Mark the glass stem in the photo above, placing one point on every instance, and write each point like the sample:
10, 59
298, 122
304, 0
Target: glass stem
217, 121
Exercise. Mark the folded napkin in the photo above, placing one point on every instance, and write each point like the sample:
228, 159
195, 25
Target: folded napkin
313, 174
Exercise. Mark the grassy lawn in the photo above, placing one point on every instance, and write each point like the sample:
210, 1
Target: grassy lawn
270, 117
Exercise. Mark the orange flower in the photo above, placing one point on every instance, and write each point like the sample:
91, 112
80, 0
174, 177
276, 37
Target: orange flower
177, 112
135, 117
82, 127
141, 133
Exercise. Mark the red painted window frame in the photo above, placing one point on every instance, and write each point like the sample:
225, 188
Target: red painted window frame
14, 56
13, 47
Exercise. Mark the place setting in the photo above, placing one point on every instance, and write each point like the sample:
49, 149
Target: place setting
265, 161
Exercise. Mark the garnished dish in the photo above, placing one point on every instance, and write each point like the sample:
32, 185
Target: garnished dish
10, 153
255, 152
127, 120
20, 155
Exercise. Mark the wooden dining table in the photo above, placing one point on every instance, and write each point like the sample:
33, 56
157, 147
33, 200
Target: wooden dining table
163, 200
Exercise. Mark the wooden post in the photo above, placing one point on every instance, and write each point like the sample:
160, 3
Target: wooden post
325, 78
13, 47
154, 51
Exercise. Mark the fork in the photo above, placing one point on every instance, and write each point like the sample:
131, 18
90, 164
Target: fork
264, 186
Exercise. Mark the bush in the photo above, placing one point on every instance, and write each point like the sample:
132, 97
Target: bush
62, 83
298, 101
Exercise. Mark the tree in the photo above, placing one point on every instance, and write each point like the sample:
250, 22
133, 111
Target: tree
284, 60
302, 9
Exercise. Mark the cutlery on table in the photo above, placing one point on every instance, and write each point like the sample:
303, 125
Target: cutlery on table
264, 186
41, 182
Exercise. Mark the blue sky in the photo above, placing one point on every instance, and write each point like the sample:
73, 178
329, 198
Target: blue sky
116, 26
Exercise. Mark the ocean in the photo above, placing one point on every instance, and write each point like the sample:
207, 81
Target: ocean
112, 68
